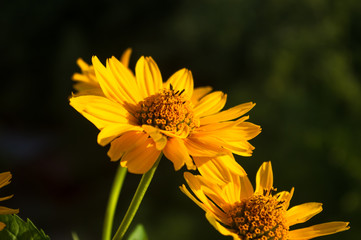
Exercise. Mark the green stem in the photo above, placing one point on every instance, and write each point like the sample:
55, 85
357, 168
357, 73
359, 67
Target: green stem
137, 199
112, 202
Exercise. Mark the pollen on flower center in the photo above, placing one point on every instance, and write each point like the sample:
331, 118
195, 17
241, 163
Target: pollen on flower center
168, 110
259, 217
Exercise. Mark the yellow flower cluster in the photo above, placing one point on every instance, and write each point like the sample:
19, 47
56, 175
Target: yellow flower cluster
141, 116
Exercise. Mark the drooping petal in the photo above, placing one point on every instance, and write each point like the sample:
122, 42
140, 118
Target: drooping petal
199, 93
302, 213
210, 104
110, 132
148, 76
126, 142
318, 230
140, 159
229, 114
101, 111
176, 151
264, 178
159, 139
182, 80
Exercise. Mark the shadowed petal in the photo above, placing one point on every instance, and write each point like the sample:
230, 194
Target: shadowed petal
124, 143
176, 151
140, 159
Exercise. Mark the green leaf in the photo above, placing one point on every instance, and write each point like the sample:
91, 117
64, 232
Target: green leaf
138, 233
17, 229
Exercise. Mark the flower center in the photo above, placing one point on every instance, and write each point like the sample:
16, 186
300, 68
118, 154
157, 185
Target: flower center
168, 110
259, 217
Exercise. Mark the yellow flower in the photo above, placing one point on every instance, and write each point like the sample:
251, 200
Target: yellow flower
86, 81
5, 180
141, 117
236, 210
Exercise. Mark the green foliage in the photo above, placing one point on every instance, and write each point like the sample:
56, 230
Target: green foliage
17, 229
138, 233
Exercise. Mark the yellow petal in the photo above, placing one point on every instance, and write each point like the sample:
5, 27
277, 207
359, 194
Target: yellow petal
140, 159
246, 187
5, 210
2, 226
264, 178
5, 179
302, 213
198, 189
285, 197
198, 93
110, 132
318, 230
220, 228
101, 111
233, 142
210, 104
125, 80
182, 80
228, 114
82, 64
148, 76
111, 86
6, 198
126, 142
210, 168
87, 89
159, 139
125, 57
177, 152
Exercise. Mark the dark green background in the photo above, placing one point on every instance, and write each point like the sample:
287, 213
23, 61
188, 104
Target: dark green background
300, 61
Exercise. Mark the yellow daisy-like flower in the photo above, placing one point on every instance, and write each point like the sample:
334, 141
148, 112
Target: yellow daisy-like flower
140, 116
86, 81
236, 210
5, 180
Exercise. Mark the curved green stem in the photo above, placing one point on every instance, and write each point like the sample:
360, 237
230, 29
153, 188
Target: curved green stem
137, 199
112, 202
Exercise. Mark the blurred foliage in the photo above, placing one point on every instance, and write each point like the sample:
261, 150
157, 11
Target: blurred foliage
17, 229
300, 61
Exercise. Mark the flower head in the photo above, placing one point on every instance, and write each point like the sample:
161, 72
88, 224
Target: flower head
236, 210
5, 180
140, 116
